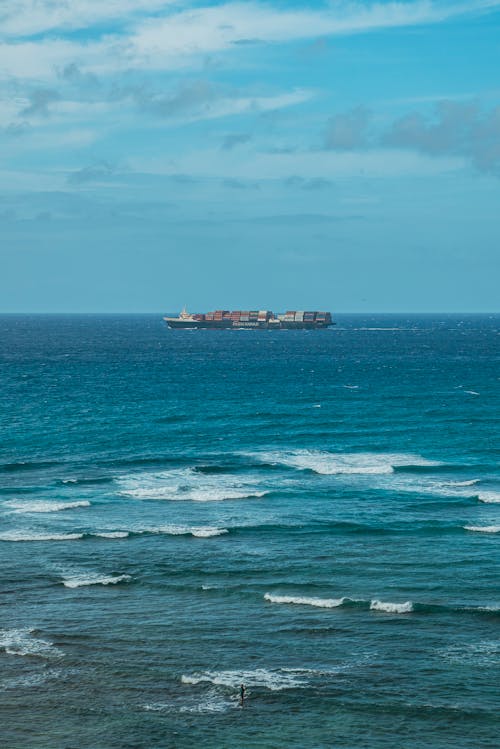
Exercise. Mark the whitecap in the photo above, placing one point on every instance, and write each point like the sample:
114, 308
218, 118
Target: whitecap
392, 608
94, 579
274, 680
22, 642
323, 603
41, 506
34, 536
112, 534
208, 532
469, 482
188, 485
483, 528
183, 530
328, 463
489, 497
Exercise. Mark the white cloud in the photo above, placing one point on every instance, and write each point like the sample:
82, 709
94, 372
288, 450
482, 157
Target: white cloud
27, 17
183, 38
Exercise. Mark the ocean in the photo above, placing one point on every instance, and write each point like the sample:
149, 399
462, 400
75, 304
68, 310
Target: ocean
315, 514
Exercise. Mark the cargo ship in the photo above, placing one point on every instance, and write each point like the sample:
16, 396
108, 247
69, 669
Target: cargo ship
223, 319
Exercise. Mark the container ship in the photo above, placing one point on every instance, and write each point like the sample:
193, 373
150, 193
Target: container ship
252, 319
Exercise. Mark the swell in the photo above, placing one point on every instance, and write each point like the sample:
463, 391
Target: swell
20, 536
350, 528
86, 481
22, 465
379, 606
340, 528
439, 468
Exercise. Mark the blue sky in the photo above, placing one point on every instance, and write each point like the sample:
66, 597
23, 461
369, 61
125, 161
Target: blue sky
341, 155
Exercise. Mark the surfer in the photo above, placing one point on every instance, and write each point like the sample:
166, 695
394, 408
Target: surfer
242, 694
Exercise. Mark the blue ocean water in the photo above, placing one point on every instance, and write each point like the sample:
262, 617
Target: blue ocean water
315, 514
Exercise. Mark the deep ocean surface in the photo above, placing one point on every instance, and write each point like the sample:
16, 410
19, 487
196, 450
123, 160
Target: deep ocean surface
315, 514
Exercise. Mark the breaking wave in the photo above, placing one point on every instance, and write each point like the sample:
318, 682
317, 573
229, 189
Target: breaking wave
471, 482
327, 463
489, 497
323, 603
483, 528
274, 680
333, 603
94, 579
22, 642
189, 485
41, 506
112, 534
181, 530
392, 608
32, 536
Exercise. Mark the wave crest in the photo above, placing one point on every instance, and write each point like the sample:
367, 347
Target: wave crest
274, 680
490, 497
188, 484
328, 463
33, 536
41, 506
483, 528
391, 608
95, 579
323, 603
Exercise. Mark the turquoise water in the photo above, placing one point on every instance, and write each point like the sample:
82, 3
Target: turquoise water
313, 513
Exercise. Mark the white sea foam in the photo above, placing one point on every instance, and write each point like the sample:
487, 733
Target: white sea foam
323, 603
470, 482
274, 680
20, 535
483, 653
186, 484
211, 702
488, 608
112, 534
41, 506
208, 532
392, 608
94, 579
483, 528
31, 680
22, 642
490, 497
328, 463
184, 530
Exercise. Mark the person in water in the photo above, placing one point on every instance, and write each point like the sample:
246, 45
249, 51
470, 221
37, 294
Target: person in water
242, 694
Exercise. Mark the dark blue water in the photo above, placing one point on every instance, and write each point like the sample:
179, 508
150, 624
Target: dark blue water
313, 513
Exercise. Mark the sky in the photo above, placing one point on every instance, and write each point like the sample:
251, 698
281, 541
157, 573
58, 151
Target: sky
339, 155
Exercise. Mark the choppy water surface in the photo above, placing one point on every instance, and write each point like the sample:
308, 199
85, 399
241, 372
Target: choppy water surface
315, 514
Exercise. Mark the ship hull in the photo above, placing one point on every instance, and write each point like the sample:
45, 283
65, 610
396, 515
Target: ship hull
194, 324
230, 325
